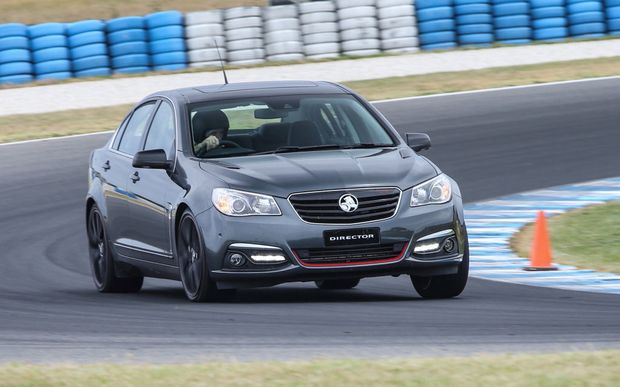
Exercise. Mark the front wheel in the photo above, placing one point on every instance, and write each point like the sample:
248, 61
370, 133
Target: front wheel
444, 286
337, 284
101, 261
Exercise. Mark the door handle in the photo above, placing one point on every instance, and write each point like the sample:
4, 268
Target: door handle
106, 165
135, 177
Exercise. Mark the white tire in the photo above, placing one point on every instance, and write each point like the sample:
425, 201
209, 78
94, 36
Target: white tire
282, 48
319, 28
392, 44
403, 50
325, 37
279, 12
282, 36
399, 10
247, 62
364, 22
204, 30
286, 57
244, 33
244, 22
397, 22
244, 44
205, 17
356, 12
244, 55
280, 24
324, 56
393, 3
354, 3
362, 52
206, 42
318, 17
205, 64
395, 33
360, 33
321, 49
317, 6
205, 55
239, 12
361, 45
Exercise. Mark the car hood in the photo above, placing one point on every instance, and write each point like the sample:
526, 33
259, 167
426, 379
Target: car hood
285, 173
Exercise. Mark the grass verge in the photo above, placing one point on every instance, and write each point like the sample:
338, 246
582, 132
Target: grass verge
564, 369
588, 237
23, 127
42, 11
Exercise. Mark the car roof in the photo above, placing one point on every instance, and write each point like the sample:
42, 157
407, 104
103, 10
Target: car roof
251, 89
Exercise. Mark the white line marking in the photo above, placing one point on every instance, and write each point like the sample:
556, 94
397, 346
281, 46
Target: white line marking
54, 138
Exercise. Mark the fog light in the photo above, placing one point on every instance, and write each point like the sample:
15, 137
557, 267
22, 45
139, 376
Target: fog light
450, 245
236, 260
267, 258
426, 247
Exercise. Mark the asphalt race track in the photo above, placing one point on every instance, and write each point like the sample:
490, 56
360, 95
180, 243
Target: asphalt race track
493, 143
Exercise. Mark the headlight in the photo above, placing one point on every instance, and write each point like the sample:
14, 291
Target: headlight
438, 190
238, 203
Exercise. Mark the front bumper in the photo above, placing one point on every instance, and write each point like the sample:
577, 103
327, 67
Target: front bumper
290, 234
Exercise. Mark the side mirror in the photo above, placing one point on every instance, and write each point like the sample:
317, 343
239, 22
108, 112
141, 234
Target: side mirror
154, 159
418, 141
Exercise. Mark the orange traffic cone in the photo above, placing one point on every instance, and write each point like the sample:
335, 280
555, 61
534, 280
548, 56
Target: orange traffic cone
540, 258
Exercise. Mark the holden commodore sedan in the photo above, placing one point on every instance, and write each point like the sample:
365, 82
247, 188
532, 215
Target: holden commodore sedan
257, 184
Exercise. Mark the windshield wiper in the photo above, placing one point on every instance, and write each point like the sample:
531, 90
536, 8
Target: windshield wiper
366, 145
289, 149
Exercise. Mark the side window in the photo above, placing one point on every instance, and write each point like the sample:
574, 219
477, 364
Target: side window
161, 134
132, 136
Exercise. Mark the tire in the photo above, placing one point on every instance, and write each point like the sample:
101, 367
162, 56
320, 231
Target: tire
366, 52
478, 18
166, 45
15, 55
423, 4
132, 70
319, 28
55, 53
444, 286
587, 29
244, 33
291, 57
245, 44
551, 33
244, 22
193, 267
512, 21
125, 23
125, 36
206, 55
89, 50
279, 12
280, 24
439, 46
129, 48
52, 66
435, 13
318, 17
475, 29
246, 62
399, 10
206, 42
398, 44
508, 9
49, 41
101, 259
87, 38
553, 22
356, 12
283, 48
205, 64
165, 18
55, 76
587, 17
239, 12
204, 17
204, 30
85, 26
169, 58
13, 29
98, 72
476, 39
246, 55
438, 37
316, 7
364, 22
282, 36
360, 33
393, 3
15, 79
548, 12
322, 49
166, 32
339, 284
15, 68
354, 3
132, 60
436, 26
170, 67
327, 37
91, 62
513, 33
44, 29
362, 44
397, 33
397, 22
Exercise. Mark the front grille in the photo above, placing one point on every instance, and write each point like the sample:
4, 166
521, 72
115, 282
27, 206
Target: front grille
351, 255
323, 207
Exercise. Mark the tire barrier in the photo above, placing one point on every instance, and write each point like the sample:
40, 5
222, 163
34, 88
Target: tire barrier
511, 19
359, 27
128, 44
166, 36
15, 55
549, 20
319, 29
436, 24
88, 48
397, 26
204, 33
50, 51
243, 29
612, 11
586, 18
474, 22
282, 33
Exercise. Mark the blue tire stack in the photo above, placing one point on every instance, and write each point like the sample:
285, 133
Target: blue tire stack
586, 18
512, 21
50, 52
15, 58
436, 26
612, 11
549, 20
89, 51
127, 42
166, 34
474, 22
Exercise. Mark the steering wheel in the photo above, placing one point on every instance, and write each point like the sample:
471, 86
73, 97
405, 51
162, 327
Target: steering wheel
227, 143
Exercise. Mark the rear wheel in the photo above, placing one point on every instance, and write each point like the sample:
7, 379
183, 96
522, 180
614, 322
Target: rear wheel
192, 259
337, 284
444, 286
102, 262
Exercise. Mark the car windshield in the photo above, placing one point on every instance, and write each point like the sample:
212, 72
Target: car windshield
283, 124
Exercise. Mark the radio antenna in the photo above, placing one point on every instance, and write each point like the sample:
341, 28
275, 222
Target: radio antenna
221, 61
